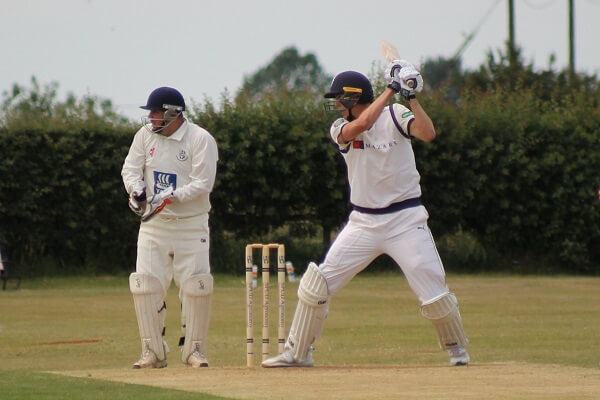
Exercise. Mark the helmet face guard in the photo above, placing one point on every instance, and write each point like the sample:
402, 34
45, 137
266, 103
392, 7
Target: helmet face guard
349, 98
166, 100
170, 114
349, 88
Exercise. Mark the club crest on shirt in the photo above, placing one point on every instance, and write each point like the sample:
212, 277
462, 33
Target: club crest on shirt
152, 151
182, 155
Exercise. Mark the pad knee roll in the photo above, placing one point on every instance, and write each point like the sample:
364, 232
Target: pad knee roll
313, 302
150, 310
445, 317
195, 313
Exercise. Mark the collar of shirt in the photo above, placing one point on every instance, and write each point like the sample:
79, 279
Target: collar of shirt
178, 134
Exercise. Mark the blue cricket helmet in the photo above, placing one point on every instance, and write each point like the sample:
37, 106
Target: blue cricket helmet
164, 98
350, 88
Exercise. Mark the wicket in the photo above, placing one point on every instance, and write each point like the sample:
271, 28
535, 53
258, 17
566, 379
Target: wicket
265, 306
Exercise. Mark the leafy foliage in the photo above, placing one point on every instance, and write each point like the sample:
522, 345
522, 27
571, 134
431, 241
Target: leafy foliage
64, 197
512, 175
516, 164
288, 70
277, 166
39, 107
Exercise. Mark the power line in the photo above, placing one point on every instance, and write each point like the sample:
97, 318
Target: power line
471, 36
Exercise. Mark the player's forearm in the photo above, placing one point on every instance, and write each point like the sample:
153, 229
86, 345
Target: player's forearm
133, 166
422, 127
193, 190
203, 180
131, 174
367, 118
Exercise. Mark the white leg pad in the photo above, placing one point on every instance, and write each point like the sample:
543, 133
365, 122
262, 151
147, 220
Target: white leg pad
151, 311
313, 303
445, 316
195, 313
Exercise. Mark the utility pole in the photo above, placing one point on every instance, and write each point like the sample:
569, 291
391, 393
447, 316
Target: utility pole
571, 39
511, 33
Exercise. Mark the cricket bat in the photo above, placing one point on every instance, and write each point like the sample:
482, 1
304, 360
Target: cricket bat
390, 53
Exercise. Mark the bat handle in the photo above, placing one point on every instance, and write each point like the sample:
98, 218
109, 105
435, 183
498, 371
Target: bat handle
411, 83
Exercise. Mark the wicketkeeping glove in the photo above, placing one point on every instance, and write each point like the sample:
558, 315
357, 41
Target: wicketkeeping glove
137, 198
157, 203
404, 78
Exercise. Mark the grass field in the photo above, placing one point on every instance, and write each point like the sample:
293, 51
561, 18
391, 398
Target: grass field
531, 338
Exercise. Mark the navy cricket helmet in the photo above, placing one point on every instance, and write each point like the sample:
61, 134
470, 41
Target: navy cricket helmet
351, 88
164, 98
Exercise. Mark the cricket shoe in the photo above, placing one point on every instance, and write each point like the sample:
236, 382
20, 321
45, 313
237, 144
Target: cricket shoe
458, 356
286, 359
149, 358
197, 359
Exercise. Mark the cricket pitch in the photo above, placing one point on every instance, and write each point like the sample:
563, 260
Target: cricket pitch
476, 381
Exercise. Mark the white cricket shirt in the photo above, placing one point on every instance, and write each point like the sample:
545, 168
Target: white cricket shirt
186, 160
381, 163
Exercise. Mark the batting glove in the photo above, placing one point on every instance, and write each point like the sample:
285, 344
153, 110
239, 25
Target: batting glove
394, 67
157, 203
137, 198
405, 79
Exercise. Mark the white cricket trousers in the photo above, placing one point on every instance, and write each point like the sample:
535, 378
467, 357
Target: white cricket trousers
173, 249
403, 235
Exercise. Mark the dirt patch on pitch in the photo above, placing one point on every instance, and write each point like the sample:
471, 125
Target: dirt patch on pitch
476, 381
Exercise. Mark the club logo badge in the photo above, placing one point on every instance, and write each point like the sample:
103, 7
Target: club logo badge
162, 180
182, 156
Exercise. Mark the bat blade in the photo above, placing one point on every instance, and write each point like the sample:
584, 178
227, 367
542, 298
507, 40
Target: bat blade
389, 52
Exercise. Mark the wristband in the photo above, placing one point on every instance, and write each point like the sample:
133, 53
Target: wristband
395, 86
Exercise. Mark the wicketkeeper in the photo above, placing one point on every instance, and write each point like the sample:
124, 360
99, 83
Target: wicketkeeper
169, 173
388, 216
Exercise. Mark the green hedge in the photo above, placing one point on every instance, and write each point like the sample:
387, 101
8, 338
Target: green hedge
510, 177
62, 199
277, 167
519, 172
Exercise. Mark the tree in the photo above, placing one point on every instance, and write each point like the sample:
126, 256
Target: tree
444, 74
288, 70
39, 106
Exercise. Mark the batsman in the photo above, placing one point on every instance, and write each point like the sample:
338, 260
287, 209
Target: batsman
169, 174
387, 217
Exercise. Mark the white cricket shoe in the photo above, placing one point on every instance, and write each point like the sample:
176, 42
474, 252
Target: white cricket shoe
149, 359
459, 356
286, 359
197, 359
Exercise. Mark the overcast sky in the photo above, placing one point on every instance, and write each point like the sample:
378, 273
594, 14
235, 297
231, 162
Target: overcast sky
122, 49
